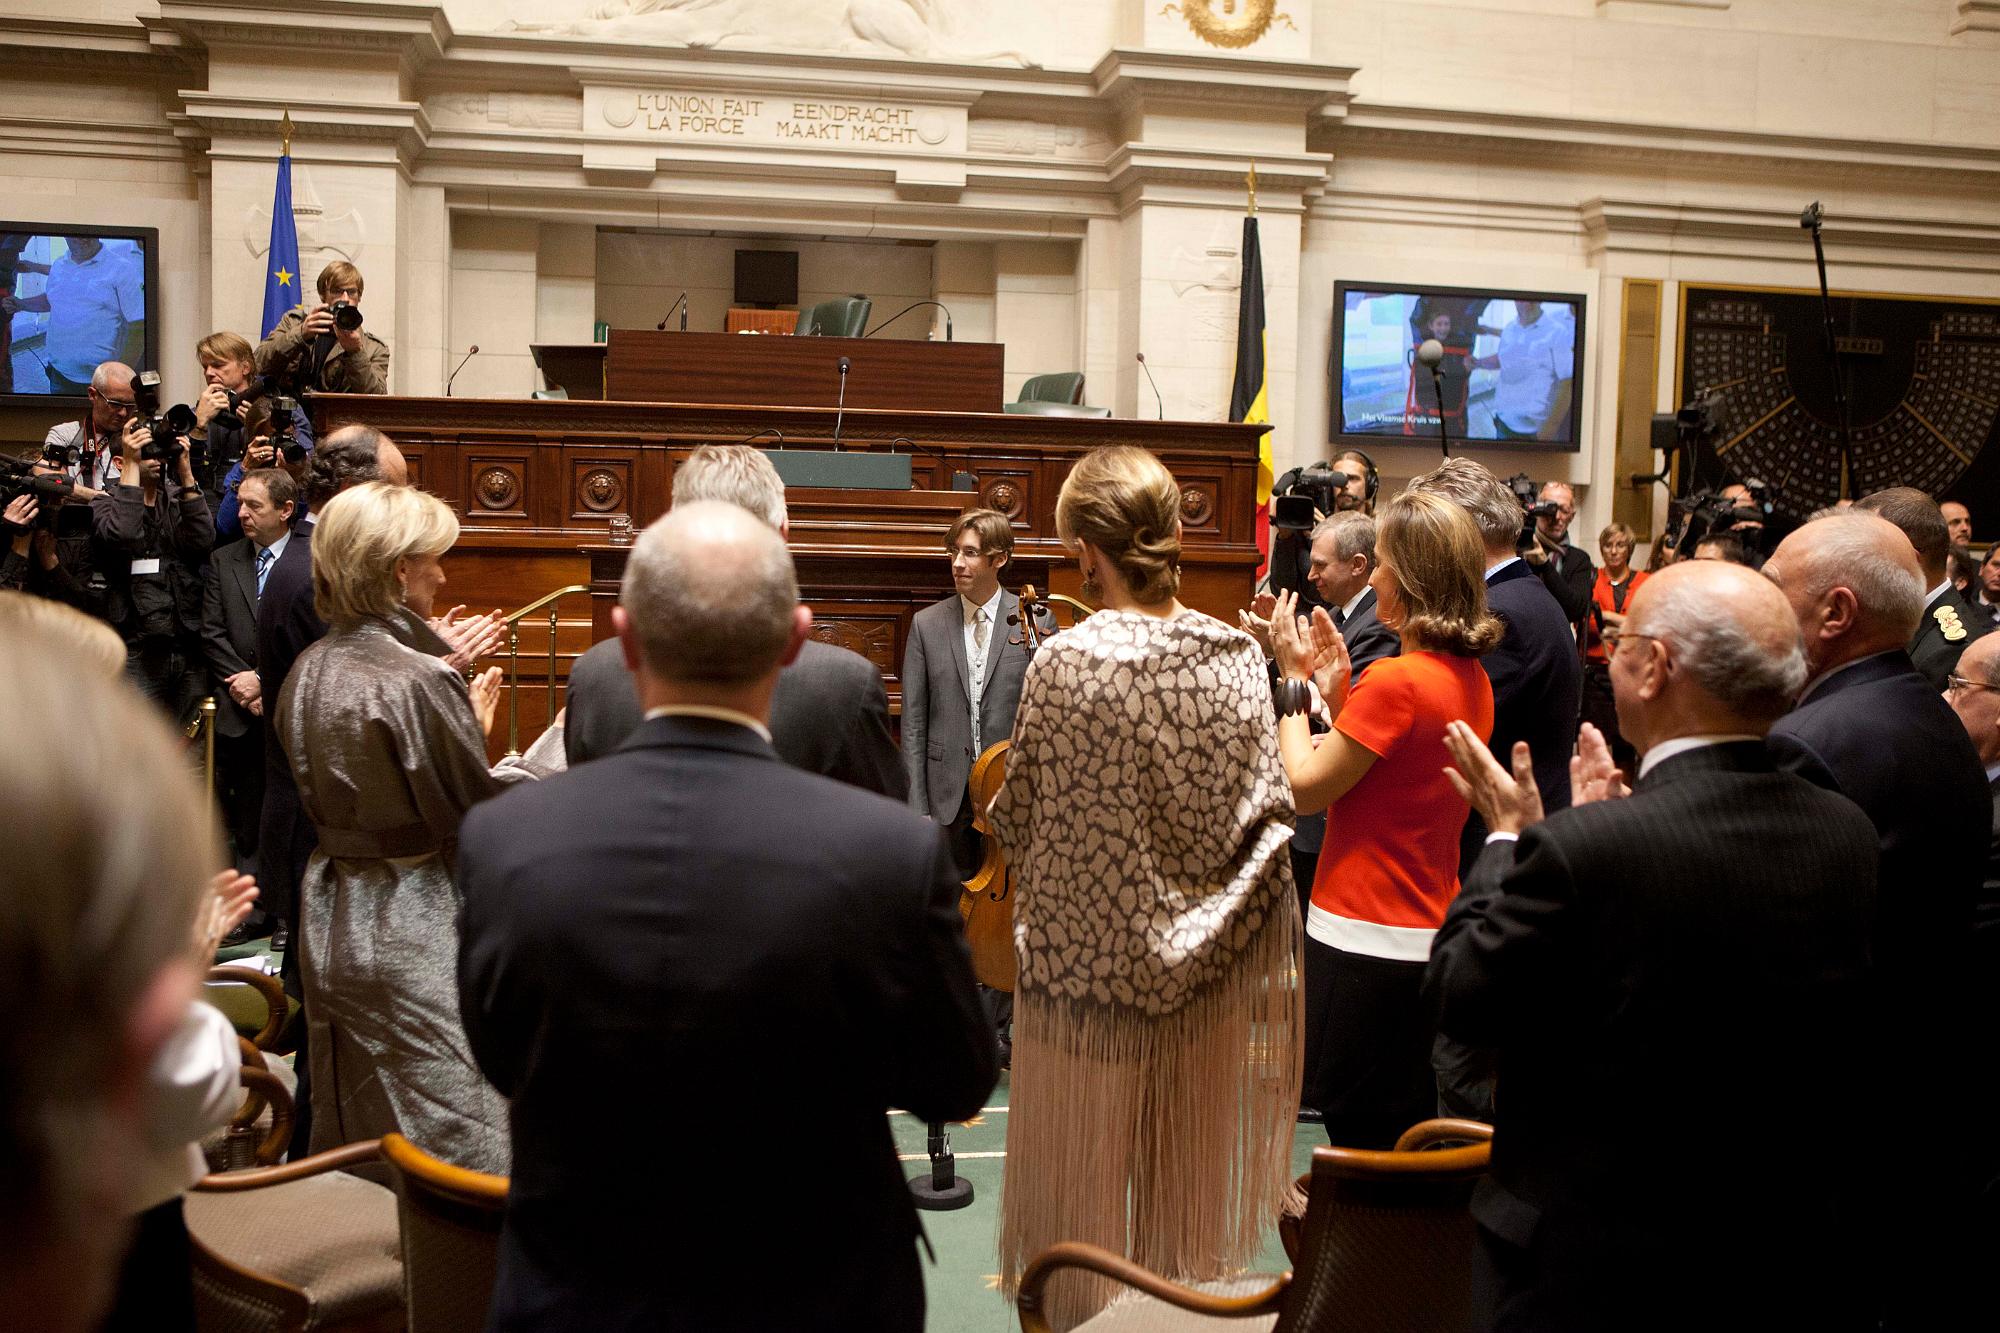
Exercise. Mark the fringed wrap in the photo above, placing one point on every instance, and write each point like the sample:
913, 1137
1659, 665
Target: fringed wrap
1158, 1025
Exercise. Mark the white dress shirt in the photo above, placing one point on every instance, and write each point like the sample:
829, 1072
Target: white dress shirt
713, 713
977, 653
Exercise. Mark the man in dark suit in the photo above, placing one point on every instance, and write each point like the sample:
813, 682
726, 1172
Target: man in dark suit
231, 585
1950, 621
1869, 727
830, 714
962, 672
1343, 556
1974, 692
780, 936
1661, 974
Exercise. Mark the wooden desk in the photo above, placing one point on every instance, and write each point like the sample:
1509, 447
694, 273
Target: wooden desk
536, 483
642, 365
741, 319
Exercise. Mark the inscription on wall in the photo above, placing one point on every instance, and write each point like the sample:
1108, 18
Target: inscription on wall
773, 120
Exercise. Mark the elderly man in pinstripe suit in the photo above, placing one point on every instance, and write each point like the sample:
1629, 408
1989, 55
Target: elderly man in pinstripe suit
1660, 971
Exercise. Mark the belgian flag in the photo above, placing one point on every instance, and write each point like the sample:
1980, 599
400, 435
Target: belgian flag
1249, 397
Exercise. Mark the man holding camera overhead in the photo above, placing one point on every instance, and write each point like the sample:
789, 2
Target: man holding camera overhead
151, 530
324, 348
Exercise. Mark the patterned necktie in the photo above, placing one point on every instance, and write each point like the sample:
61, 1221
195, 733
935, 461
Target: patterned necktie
979, 631
263, 568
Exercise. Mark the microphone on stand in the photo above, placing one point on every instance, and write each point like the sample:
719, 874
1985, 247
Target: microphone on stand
679, 304
1156, 387
906, 310
841, 409
470, 352
1431, 353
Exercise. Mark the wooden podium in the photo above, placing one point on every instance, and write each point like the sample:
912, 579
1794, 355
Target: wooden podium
536, 483
641, 365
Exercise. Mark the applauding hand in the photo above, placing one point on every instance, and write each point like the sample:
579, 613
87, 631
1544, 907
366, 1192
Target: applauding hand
1592, 774
1508, 802
470, 639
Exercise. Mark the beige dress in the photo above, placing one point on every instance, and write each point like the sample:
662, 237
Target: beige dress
388, 755
1157, 1019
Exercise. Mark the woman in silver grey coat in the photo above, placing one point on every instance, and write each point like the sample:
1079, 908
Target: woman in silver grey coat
388, 746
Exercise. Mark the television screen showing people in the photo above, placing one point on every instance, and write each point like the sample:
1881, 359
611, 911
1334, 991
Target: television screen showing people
1508, 372
69, 302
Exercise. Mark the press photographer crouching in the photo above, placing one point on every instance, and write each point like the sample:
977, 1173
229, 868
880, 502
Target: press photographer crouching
45, 535
323, 348
152, 530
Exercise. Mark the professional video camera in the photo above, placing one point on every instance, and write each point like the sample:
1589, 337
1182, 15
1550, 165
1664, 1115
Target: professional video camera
169, 430
18, 478
1305, 495
1533, 507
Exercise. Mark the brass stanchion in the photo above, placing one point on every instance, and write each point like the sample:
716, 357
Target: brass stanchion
208, 742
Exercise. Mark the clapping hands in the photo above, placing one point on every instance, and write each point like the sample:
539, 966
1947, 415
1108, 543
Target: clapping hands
1311, 649
230, 898
1592, 774
469, 639
1508, 802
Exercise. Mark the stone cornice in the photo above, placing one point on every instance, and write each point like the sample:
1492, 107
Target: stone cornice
1647, 225
254, 124
1126, 76
416, 30
75, 43
1284, 180
1577, 138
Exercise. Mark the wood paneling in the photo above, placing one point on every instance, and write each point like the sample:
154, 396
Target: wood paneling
536, 483
1638, 391
642, 365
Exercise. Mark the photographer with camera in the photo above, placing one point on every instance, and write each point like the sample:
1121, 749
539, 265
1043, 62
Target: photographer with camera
152, 530
230, 413
88, 448
1567, 571
324, 349
45, 534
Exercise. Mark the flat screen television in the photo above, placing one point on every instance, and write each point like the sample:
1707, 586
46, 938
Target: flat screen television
1511, 375
767, 277
70, 297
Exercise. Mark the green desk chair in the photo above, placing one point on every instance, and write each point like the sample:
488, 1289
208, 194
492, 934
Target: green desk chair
1063, 388
842, 317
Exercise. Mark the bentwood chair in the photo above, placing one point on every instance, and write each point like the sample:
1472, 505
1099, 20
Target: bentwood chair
842, 317
260, 1131
1386, 1246
451, 1237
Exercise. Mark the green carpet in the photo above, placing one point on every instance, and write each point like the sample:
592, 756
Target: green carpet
962, 1287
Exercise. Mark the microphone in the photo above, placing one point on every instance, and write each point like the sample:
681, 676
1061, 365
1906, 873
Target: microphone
906, 310
1150, 380
768, 430
1431, 353
1811, 217
679, 304
841, 409
470, 352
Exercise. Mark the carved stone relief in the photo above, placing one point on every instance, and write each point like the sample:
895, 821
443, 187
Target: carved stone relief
1029, 138
916, 29
515, 111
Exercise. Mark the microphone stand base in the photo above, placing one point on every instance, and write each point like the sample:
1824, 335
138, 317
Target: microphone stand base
940, 1190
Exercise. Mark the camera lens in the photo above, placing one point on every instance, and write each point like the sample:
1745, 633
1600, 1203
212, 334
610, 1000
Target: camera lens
346, 316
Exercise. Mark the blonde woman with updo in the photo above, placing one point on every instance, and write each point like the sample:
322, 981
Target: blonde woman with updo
389, 750
1157, 1015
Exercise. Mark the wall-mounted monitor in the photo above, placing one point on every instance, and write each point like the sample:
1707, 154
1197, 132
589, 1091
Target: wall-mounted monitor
767, 277
71, 297
1512, 374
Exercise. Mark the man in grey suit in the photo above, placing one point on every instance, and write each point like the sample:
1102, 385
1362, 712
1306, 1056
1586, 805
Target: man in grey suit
962, 671
830, 714
234, 580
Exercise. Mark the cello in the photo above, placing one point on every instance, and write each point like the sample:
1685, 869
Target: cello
986, 900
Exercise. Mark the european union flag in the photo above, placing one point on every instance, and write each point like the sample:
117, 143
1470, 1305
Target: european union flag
281, 281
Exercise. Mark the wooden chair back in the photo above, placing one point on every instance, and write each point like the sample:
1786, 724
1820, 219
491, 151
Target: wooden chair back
1388, 1243
451, 1237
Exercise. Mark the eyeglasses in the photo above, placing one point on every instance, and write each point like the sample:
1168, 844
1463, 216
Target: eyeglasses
1955, 684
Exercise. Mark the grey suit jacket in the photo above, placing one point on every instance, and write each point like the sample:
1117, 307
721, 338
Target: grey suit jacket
829, 714
937, 701
229, 627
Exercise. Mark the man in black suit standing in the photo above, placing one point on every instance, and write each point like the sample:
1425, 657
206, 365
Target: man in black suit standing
780, 937
1950, 621
830, 714
1869, 727
1660, 973
231, 586
1343, 556
1974, 692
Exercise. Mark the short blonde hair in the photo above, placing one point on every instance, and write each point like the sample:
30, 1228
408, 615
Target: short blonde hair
339, 273
1434, 550
360, 536
1616, 530
92, 912
222, 348
1122, 500
79, 640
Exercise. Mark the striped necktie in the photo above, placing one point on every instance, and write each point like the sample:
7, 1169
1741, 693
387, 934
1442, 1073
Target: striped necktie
263, 568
